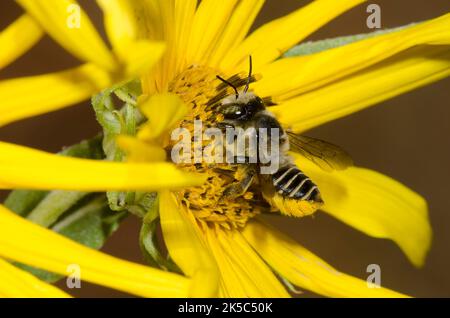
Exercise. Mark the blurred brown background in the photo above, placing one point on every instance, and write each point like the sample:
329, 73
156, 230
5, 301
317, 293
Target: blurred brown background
406, 138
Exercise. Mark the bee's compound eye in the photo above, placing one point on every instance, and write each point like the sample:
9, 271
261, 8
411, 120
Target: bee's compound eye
233, 111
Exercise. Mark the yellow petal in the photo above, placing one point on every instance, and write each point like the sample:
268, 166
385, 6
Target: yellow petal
35, 95
186, 247
69, 25
303, 268
28, 243
148, 18
170, 21
210, 19
240, 22
141, 56
22, 167
184, 16
5, 186
140, 151
376, 205
119, 23
309, 72
274, 38
18, 38
122, 28
243, 273
163, 111
165, 73
17, 283
397, 75
31, 96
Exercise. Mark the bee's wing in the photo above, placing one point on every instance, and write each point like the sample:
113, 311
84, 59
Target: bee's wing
327, 156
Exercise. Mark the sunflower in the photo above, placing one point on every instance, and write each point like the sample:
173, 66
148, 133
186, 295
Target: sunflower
216, 248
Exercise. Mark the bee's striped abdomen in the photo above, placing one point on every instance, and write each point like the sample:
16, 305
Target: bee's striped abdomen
291, 182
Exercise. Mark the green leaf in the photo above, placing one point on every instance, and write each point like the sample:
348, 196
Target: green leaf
85, 225
23, 201
148, 239
53, 205
88, 149
39, 273
90, 224
318, 46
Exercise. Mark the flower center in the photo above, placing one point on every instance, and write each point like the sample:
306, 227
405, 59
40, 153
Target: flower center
202, 92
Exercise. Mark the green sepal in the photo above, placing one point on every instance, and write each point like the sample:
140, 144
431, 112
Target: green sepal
116, 120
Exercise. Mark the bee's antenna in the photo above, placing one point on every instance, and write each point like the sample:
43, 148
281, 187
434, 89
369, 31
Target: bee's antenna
249, 74
229, 84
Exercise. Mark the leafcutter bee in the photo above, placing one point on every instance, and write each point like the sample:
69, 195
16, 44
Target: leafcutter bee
288, 189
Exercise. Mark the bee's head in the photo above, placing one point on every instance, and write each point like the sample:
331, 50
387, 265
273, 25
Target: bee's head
241, 107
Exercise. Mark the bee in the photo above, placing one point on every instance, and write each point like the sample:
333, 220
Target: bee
288, 190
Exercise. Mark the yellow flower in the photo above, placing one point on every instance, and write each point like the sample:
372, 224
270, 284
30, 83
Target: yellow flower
29, 96
227, 256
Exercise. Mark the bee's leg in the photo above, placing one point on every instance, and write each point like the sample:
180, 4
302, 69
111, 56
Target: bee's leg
238, 188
